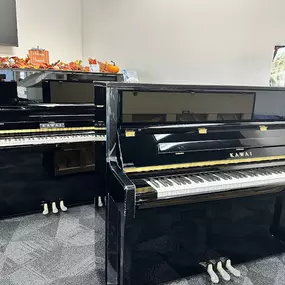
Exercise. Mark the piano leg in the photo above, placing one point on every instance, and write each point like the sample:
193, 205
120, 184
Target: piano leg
120, 239
112, 242
276, 229
130, 231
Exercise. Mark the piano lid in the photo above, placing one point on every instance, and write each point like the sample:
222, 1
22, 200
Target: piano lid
160, 104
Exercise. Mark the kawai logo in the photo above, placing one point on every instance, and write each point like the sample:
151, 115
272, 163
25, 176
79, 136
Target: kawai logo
241, 154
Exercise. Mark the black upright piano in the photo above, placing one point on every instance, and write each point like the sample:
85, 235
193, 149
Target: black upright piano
195, 175
47, 156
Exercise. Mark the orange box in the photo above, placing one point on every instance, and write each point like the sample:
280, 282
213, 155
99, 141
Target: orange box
38, 56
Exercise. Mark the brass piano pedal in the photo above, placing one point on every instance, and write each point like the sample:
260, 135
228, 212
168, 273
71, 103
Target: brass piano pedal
46, 210
63, 208
54, 208
210, 270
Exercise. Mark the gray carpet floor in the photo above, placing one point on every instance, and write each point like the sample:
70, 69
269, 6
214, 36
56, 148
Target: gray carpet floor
60, 250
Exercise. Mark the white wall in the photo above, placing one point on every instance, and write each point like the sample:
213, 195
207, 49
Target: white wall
186, 41
54, 25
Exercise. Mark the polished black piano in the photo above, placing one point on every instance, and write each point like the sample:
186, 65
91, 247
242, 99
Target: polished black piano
47, 157
195, 176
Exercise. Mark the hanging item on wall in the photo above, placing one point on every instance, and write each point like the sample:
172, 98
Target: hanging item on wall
277, 77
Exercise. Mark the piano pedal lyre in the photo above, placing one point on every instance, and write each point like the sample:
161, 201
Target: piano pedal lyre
46, 210
63, 208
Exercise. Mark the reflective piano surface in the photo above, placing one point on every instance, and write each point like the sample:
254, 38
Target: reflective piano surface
195, 173
48, 153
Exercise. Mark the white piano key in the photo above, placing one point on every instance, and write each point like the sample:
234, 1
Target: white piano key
215, 183
37, 140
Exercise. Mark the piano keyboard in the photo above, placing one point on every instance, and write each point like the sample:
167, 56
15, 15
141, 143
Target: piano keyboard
207, 183
55, 139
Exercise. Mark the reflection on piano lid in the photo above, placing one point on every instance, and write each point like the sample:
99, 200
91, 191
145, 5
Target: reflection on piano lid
187, 107
38, 124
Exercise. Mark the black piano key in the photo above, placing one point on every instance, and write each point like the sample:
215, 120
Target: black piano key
258, 171
243, 175
233, 175
252, 172
226, 175
276, 170
175, 180
204, 176
238, 174
272, 171
169, 182
212, 177
194, 179
263, 171
222, 175
248, 173
199, 178
154, 183
188, 180
163, 182
185, 180
181, 180
216, 177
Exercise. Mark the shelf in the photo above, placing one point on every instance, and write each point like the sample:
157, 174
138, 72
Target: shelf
34, 77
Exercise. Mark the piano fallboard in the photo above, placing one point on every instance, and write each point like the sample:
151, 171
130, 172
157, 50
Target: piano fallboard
44, 124
185, 147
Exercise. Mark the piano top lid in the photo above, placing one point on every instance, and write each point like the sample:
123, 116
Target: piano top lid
48, 108
157, 128
46, 112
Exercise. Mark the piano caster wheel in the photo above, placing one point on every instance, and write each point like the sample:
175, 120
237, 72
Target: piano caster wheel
214, 277
222, 271
46, 210
100, 203
62, 206
231, 269
54, 208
